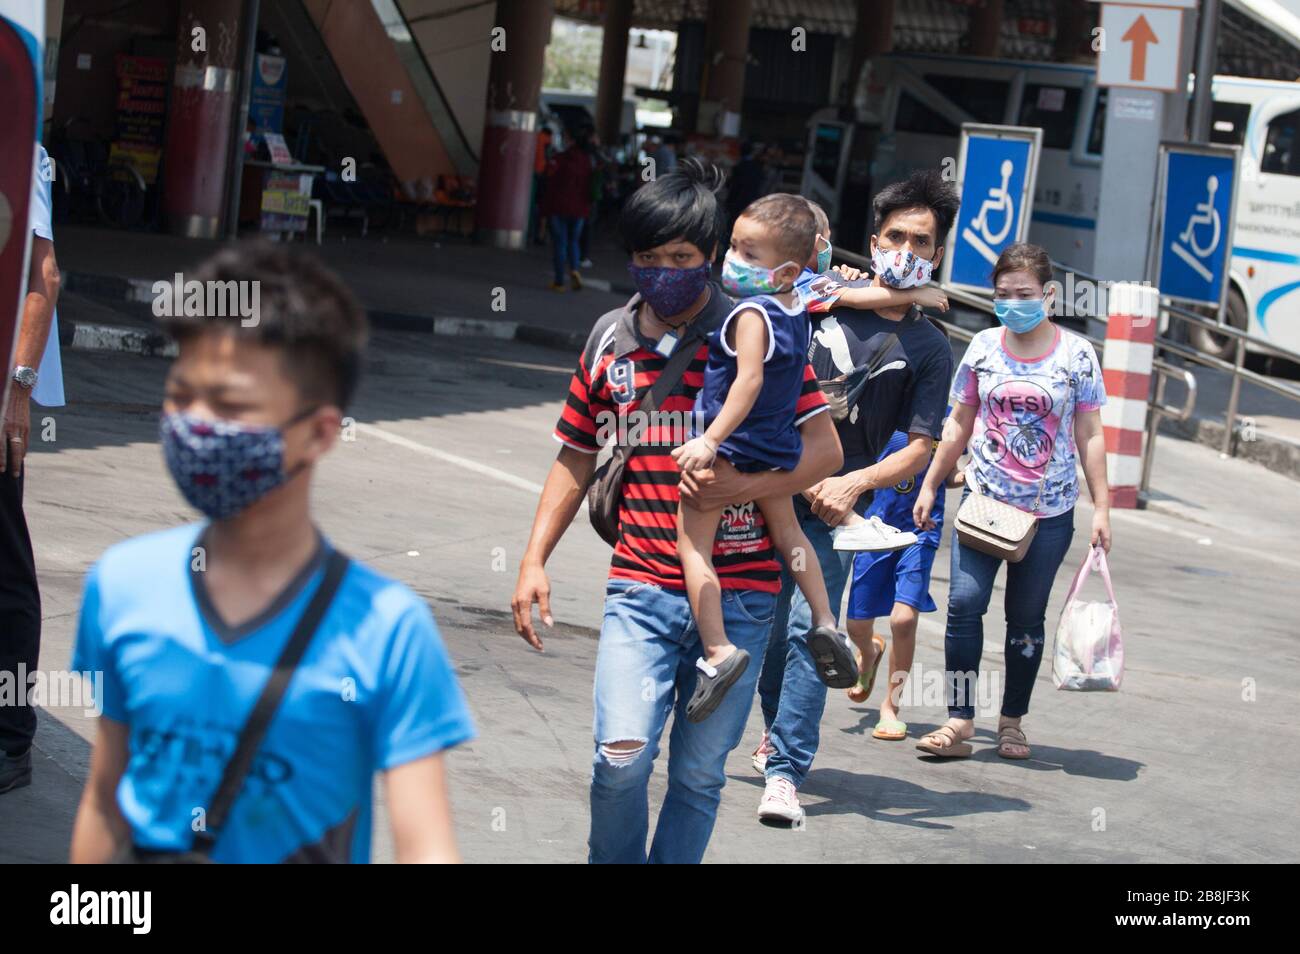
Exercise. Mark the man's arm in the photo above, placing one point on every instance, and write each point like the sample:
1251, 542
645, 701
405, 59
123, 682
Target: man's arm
562, 495
99, 827
38, 313
723, 484
420, 811
834, 497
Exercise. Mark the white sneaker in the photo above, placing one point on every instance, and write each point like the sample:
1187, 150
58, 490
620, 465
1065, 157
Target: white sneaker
780, 803
872, 534
758, 758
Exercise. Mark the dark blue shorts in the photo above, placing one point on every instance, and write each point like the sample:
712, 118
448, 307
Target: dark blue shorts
882, 579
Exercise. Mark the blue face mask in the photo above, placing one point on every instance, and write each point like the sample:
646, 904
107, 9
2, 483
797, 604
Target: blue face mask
1020, 315
823, 256
222, 467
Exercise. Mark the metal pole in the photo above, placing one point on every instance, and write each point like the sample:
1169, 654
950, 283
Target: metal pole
1230, 424
1202, 101
235, 168
1153, 425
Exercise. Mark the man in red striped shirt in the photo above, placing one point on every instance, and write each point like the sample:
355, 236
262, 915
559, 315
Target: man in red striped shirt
645, 662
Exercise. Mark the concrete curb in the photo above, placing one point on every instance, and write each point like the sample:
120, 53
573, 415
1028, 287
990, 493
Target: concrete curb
1278, 454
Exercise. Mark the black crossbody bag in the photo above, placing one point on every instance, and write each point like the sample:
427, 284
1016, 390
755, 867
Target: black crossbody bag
605, 491
250, 738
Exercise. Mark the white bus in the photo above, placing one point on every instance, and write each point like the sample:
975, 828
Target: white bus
919, 102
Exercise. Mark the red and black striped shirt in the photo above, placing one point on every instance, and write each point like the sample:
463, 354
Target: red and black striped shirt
615, 372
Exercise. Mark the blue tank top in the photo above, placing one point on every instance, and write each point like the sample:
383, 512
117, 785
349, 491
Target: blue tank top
768, 437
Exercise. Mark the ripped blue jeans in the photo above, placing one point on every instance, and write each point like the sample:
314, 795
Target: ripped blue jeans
645, 669
1029, 587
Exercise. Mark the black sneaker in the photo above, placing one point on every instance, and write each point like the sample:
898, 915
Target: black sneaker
833, 658
15, 771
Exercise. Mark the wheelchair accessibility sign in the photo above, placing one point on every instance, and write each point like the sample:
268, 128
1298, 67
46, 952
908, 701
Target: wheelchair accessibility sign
996, 174
1194, 219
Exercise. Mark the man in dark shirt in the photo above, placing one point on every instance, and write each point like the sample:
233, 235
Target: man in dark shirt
904, 368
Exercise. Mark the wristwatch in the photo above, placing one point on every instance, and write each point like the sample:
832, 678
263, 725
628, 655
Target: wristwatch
25, 377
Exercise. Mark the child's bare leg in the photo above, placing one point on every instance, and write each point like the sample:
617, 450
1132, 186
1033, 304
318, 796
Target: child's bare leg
789, 539
862, 633
696, 530
902, 649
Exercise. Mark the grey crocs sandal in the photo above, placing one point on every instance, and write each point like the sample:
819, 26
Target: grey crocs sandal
833, 658
712, 683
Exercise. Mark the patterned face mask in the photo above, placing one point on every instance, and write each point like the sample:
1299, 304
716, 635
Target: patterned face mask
745, 280
824, 255
222, 467
901, 268
670, 291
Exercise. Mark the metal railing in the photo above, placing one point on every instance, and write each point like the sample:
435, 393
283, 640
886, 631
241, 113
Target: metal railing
1235, 368
1164, 370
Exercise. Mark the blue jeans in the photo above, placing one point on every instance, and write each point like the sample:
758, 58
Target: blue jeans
645, 668
1029, 587
790, 692
565, 232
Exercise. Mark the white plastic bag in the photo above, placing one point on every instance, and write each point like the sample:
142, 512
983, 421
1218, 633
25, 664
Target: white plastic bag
1089, 650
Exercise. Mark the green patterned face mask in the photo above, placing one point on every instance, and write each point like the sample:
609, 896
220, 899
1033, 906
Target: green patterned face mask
741, 278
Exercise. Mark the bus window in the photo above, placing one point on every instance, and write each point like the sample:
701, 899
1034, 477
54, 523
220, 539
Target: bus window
1053, 109
915, 117
1097, 134
984, 99
1280, 147
1228, 123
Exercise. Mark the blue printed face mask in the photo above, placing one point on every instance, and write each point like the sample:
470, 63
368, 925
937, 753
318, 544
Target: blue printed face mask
222, 467
823, 255
670, 291
1020, 315
741, 278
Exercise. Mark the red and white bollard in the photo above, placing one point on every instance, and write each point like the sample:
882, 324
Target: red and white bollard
1126, 370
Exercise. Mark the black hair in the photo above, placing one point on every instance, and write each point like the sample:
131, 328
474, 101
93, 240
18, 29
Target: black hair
303, 309
682, 204
791, 224
926, 189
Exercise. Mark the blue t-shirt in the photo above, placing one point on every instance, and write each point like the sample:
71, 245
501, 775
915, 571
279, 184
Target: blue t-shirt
49, 376
374, 690
768, 437
894, 504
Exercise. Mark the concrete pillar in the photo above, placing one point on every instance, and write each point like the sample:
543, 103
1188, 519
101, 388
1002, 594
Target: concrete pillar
613, 69
199, 117
984, 33
53, 38
726, 49
873, 35
1126, 369
510, 134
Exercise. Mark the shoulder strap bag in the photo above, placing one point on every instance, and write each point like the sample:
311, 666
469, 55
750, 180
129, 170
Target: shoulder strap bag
605, 491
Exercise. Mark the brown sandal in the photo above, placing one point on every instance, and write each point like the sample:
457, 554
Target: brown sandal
1009, 735
956, 748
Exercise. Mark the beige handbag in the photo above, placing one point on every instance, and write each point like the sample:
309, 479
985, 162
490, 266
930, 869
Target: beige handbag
996, 528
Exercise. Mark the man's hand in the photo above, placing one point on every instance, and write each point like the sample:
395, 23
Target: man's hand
531, 587
834, 497
849, 273
714, 488
930, 296
17, 427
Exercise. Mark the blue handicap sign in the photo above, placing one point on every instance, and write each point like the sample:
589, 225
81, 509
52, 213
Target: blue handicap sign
1195, 244
992, 196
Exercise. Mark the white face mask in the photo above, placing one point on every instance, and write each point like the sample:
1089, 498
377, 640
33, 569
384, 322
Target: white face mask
901, 268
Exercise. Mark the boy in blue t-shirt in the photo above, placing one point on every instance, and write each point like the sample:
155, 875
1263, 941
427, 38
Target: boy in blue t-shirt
183, 627
896, 584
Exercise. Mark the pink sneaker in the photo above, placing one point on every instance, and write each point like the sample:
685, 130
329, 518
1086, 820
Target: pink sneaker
758, 758
780, 802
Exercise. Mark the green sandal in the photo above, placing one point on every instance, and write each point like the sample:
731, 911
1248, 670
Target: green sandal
867, 680
890, 730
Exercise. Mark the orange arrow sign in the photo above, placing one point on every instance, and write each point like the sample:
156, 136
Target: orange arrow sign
1140, 35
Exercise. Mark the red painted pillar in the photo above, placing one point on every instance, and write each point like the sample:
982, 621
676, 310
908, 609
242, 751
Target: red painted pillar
726, 49
1126, 369
510, 134
197, 144
613, 69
